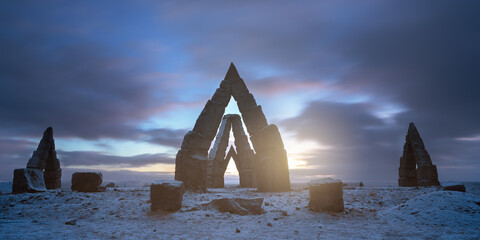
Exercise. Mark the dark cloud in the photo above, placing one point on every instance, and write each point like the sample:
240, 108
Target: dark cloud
86, 158
166, 137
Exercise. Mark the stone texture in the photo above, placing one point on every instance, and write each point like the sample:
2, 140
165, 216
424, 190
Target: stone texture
239, 206
222, 96
217, 163
191, 168
416, 168
53, 178
238, 86
254, 119
453, 186
245, 102
28, 180
326, 195
166, 195
209, 119
193, 140
87, 181
272, 170
267, 138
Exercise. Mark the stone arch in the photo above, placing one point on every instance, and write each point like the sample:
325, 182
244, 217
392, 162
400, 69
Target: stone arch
243, 157
270, 161
416, 168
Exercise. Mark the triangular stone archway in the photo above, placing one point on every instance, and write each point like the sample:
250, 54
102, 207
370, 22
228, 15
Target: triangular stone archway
269, 162
416, 168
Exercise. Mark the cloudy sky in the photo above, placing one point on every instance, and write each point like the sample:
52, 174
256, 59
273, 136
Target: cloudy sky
121, 82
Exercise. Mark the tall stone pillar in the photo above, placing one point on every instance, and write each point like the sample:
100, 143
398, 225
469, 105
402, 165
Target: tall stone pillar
245, 155
217, 163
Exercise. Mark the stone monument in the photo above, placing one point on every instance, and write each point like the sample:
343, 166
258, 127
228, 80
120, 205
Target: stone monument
43, 169
416, 168
269, 165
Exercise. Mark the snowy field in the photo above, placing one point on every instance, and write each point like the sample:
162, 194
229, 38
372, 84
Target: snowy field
124, 213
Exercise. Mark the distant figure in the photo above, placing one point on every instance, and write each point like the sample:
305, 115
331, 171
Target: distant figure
415, 155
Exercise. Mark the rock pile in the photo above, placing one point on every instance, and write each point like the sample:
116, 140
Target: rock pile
43, 169
239, 206
416, 168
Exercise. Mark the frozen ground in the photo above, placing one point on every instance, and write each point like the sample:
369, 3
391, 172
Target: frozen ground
124, 213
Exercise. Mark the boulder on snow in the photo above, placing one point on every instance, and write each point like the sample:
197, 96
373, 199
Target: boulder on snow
326, 195
28, 180
239, 206
453, 186
167, 195
87, 181
110, 185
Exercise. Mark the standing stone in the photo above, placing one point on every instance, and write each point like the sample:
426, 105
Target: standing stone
44, 158
87, 181
416, 168
326, 195
245, 156
28, 180
166, 195
217, 164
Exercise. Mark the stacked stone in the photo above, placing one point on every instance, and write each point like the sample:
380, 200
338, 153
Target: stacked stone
415, 154
217, 163
271, 157
44, 158
245, 156
191, 163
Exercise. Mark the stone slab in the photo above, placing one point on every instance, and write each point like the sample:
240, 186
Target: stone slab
266, 138
28, 180
166, 195
326, 195
53, 178
254, 119
87, 181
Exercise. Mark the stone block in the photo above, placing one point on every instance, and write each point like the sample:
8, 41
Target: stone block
52, 162
407, 182
272, 173
238, 88
36, 161
453, 186
326, 195
194, 140
191, 167
87, 181
245, 102
407, 172
427, 173
254, 119
209, 119
166, 195
28, 180
222, 96
404, 163
239, 206
266, 138
247, 178
53, 178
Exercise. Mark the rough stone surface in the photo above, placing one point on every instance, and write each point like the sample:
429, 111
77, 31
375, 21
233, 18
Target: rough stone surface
239, 206
222, 96
191, 168
254, 119
238, 86
453, 186
53, 178
416, 168
266, 138
209, 119
87, 181
217, 163
272, 170
166, 195
193, 140
245, 102
28, 180
326, 195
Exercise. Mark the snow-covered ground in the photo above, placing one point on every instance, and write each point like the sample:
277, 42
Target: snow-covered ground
124, 213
